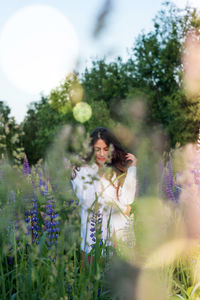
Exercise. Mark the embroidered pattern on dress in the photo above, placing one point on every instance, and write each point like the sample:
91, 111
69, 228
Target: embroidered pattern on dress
74, 172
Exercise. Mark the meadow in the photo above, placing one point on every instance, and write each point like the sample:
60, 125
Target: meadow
151, 103
40, 255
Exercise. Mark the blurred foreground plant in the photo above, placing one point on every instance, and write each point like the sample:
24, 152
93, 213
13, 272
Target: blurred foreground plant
45, 261
40, 255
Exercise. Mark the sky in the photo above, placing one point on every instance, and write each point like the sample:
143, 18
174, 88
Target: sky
41, 41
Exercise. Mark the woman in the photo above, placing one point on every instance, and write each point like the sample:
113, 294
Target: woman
105, 189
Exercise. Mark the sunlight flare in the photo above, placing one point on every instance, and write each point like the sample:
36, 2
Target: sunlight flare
39, 47
82, 112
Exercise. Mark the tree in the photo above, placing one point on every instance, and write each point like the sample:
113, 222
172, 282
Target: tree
40, 126
66, 95
10, 136
154, 69
108, 82
159, 72
44, 119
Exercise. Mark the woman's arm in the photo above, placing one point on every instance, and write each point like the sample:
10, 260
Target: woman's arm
127, 191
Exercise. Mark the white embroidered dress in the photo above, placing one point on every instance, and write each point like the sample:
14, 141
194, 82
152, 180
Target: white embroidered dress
89, 186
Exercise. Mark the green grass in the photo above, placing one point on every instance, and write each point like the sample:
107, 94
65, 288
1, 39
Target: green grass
31, 271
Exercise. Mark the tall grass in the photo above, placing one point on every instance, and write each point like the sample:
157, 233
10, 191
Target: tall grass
40, 256
49, 264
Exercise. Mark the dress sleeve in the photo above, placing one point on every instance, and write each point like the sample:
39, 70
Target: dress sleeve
127, 191
83, 188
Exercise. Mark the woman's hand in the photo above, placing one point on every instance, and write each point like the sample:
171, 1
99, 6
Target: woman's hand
132, 158
128, 210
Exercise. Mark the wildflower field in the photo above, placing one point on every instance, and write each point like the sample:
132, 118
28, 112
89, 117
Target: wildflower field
151, 103
40, 255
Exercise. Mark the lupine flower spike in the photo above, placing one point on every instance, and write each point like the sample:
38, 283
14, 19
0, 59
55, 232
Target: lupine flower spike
170, 188
51, 218
32, 221
95, 228
27, 169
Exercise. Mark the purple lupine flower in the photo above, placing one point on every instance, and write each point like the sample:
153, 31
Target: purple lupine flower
51, 218
170, 188
95, 228
177, 188
166, 187
32, 221
171, 180
27, 170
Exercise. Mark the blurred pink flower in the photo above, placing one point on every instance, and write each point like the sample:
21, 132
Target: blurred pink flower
191, 64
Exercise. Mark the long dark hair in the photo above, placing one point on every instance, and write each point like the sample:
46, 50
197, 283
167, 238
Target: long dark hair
118, 155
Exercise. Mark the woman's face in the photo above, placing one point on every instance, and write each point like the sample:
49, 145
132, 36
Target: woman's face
101, 152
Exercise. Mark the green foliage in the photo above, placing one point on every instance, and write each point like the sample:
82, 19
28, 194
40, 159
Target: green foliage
10, 136
64, 97
157, 54
36, 270
40, 125
154, 71
182, 116
107, 82
62, 271
144, 97
101, 116
159, 70
43, 122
